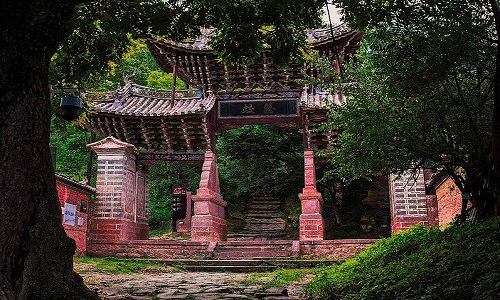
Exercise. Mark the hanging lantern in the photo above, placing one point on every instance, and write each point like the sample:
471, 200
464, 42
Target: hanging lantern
70, 107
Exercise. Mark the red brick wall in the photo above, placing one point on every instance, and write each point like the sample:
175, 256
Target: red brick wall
405, 222
449, 201
151, 249
118, 229
68, 194
334, 249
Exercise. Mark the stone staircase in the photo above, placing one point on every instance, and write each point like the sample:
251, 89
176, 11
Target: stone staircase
234, 250
263, 220
245, 265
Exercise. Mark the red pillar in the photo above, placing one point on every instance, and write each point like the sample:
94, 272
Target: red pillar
311, 221
208, 222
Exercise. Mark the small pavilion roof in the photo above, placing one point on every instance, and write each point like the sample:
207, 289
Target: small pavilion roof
198, 66
315, 37
136, 100
149, 118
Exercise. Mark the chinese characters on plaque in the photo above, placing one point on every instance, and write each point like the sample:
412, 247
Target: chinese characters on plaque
255, 108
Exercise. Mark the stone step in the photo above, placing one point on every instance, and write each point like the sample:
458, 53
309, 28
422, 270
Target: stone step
260, 209
242, 250
265, 219
265, 202
230, 268
260, 236
274, 212
278, 263
269, 254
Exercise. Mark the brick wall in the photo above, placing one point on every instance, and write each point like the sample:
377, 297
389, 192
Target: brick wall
449, 201
333, 249
151, 249
409, 204
72, 192
120, 211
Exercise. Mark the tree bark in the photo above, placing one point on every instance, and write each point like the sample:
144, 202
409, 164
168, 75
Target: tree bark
495, 129
35, 253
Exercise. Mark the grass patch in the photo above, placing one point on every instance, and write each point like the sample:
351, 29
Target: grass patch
257, 278
111, 265
158, 232
461, 262
284, 277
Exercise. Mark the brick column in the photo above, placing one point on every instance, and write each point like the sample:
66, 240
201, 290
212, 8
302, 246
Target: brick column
311, 221
208, 222
120, 208
409, 204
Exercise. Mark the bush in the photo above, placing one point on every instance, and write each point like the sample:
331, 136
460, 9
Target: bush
461, 262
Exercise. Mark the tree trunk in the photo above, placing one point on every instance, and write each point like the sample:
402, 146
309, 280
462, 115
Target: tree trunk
495, 129
35, 253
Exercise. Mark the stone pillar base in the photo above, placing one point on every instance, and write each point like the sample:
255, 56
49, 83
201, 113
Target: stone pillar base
208, 222
311, 227
311, 223
208, 228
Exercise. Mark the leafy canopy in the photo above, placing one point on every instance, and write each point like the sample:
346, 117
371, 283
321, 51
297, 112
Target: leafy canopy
104, 30
420, 93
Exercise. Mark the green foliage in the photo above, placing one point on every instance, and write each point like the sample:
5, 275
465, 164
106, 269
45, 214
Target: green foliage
260, 158
420, 94
285, 277
242, 28
71, 150
426, 110
136, 61
160, 80
163, 178
461, 262
104, 30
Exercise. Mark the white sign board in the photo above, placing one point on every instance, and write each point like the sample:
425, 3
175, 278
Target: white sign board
69, 214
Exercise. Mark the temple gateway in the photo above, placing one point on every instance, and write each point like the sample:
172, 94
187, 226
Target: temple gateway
169, 125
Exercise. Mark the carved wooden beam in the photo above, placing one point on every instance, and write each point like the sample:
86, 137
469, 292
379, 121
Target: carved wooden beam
166, 136
186, 135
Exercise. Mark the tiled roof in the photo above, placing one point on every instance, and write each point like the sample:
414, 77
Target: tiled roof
136, 100
314, 36
74, 183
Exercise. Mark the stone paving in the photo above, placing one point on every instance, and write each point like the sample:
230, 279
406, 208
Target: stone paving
188, 285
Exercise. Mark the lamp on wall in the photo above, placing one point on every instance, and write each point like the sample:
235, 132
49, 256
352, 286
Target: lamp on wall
83, 206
